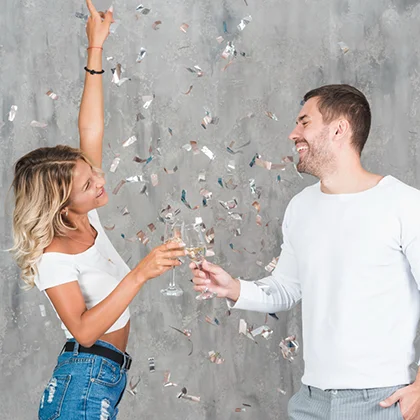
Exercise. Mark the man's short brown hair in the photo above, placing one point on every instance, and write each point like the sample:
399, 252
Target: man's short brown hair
346, 101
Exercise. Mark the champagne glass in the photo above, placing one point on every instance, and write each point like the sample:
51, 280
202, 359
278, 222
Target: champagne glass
173, 232
196, 246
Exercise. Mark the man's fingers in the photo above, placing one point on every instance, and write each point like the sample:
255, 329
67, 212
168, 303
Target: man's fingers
91, 8
390, 400
211, 268
200, 282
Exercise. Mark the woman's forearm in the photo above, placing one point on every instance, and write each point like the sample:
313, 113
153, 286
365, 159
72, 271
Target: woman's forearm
97, 320
91, 115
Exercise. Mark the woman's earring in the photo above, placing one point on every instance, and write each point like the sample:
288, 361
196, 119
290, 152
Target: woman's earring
67, 213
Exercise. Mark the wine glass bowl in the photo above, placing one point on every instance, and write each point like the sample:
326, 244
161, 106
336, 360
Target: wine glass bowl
196, 247
173, 233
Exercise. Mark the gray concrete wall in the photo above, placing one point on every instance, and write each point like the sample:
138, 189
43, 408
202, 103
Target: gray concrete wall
290, 47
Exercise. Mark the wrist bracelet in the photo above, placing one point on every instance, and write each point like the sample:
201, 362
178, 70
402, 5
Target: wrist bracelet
89, 48
94, 72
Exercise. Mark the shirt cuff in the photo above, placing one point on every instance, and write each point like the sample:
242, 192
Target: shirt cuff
246, 294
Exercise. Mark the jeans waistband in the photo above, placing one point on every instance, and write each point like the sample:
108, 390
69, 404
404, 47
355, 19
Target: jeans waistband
100, 348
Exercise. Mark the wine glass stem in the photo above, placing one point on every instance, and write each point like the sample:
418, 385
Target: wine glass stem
172, 284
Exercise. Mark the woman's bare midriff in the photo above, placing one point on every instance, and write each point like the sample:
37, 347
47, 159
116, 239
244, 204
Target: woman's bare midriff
118, 338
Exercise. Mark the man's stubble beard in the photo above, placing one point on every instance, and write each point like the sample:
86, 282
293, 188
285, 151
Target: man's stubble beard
318, 160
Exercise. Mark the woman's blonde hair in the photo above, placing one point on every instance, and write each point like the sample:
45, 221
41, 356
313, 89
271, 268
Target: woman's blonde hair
42, 185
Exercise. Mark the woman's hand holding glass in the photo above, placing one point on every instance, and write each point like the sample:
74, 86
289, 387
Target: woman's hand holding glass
160, 260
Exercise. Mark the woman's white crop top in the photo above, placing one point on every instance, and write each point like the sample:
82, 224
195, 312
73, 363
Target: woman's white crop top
98, 271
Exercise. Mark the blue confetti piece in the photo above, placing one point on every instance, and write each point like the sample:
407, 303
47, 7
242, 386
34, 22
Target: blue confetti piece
122, 235
220, 181
225, 27
252, 163
302, 102
274, 316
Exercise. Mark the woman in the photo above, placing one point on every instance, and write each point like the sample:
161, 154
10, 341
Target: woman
61, 247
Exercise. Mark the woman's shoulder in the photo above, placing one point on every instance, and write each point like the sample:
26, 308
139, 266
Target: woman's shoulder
61, 246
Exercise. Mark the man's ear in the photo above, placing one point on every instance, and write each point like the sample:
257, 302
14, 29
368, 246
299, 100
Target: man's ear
343, 128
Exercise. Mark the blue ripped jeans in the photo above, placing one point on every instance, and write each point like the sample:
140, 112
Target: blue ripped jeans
83, 386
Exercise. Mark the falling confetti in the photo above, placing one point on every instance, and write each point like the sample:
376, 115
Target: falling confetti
129, 141
12, 112
244, 22
152, 366
147, 101
184, 200
208, 152
271, 115
114, 164
155, 179
289, 347
142, 237
167, 380
196, 69
141, 55
42, 310
187, 334
272, 265
114, 26
189, 90
37, 124
132, 385
343, 47
81, 16
215, 357
156, 24
143, 10
183, 394
52, 95
243, 329
118, 187
264, 331
184, 27
116, 75
229, 51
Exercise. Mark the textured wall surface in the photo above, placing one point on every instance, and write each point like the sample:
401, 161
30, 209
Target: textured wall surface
290, 47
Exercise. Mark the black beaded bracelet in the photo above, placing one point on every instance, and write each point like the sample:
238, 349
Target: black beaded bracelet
94, 72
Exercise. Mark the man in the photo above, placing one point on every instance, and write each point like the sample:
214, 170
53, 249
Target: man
351, 252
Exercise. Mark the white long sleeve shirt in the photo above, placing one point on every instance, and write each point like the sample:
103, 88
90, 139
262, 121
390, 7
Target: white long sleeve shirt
354, 260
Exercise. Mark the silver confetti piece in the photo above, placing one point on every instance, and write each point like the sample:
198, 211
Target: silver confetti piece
129, 141
132, 385
208, 152
147, 101
141, 55
184, 27
152, 366
12, 112
114, 164
244, 22
289, 347
38, 124
343, 47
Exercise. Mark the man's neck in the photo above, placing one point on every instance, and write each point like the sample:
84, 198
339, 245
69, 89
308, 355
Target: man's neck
349, 180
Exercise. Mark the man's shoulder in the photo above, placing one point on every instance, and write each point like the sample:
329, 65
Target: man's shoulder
306, 193
401, 189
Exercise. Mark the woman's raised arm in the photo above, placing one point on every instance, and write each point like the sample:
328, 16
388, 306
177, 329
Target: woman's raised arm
91, 115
